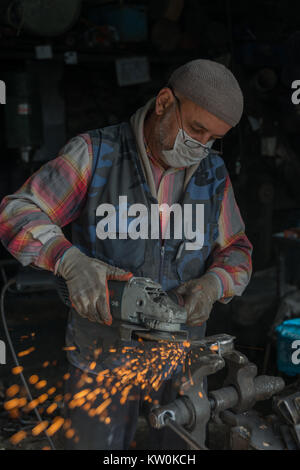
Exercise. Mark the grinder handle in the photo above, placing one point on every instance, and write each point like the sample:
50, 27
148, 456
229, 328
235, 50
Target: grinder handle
116, 290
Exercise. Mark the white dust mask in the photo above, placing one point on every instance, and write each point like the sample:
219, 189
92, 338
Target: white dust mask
182, 155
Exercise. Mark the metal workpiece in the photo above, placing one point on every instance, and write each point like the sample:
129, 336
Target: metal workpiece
221, 343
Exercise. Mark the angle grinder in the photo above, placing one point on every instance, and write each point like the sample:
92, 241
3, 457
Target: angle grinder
140, 307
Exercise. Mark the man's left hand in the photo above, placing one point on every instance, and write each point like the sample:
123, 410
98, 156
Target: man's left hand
199, 296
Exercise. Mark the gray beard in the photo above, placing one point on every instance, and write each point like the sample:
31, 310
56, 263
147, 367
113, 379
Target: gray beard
163, 132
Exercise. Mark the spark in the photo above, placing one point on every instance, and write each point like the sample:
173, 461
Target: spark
33, 404
42, 398
39, 428
22, 402
18, 437
55, 426
102, 407
82, 393
26, 352
51, 408
33, 379
12, 391
58, 398
70, 433
9, 405
144, 367
41, 384
14, 413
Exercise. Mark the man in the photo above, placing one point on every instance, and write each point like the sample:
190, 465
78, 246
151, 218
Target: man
165, 155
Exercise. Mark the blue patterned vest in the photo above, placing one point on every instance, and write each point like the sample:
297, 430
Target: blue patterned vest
117, 171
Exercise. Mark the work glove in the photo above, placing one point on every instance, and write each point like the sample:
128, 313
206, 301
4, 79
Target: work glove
199, 296
86, 279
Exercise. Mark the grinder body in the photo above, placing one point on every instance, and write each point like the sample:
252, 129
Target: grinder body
140, 307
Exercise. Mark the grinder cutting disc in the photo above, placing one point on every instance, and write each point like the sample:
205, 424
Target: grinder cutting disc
156, 335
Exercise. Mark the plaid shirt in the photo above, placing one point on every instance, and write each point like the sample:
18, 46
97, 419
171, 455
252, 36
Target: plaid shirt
32, 217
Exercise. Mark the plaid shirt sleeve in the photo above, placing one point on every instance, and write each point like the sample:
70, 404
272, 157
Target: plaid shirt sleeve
32, 217
231, 257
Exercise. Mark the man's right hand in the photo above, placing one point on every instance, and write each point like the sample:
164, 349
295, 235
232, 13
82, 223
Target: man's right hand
86, 279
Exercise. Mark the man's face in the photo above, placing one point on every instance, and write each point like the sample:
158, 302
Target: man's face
195, 121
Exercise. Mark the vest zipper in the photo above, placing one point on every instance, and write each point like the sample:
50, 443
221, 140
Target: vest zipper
162, 249
162, 254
